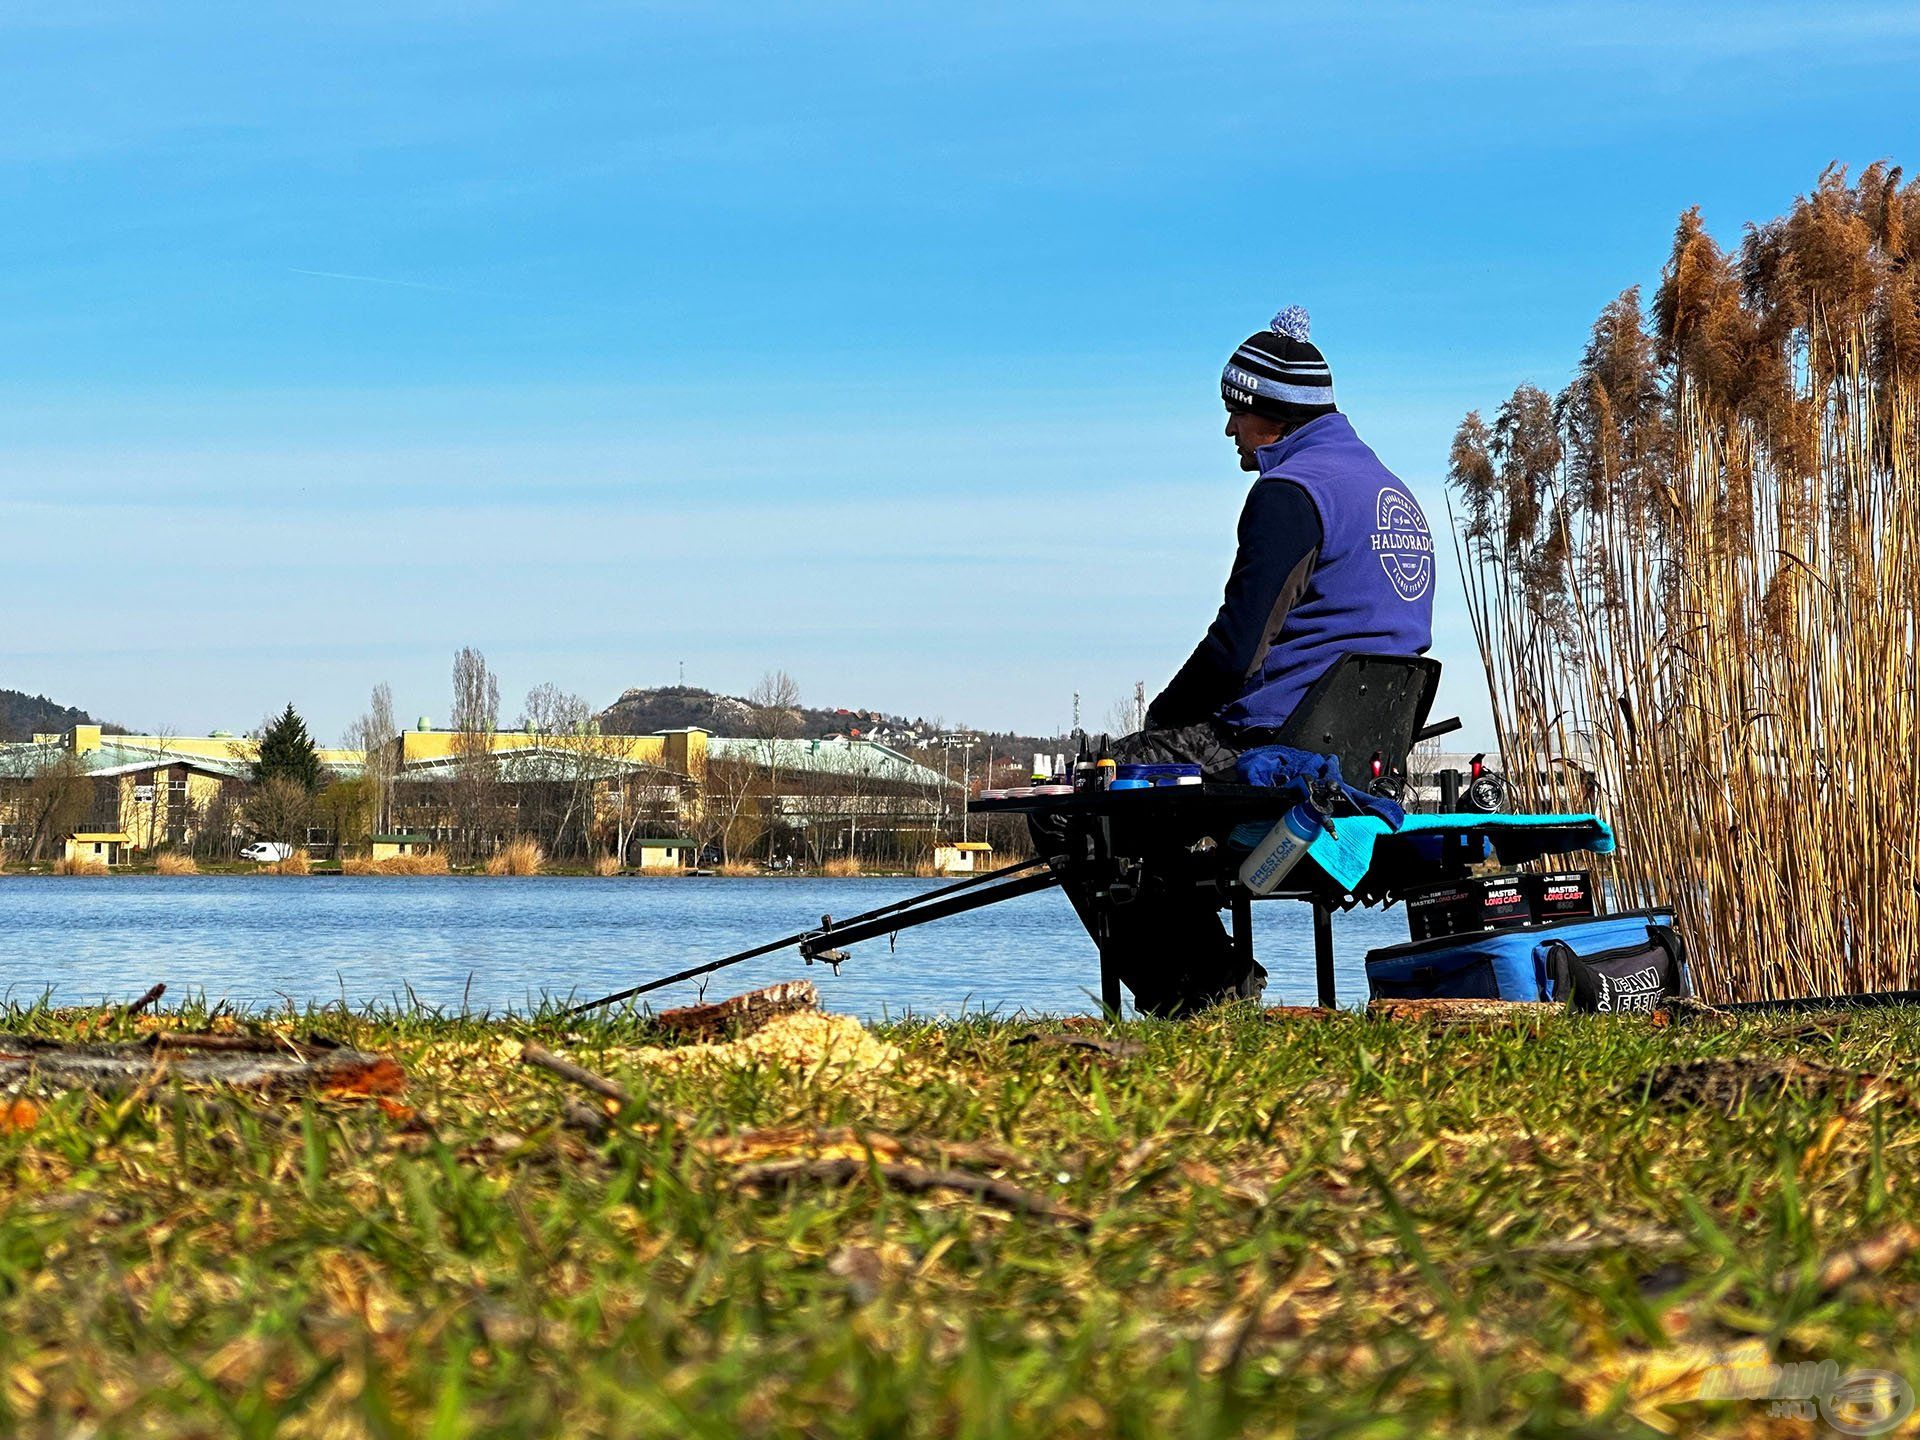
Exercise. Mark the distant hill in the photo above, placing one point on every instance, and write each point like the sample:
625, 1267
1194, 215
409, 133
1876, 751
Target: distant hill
22, 716
674, 707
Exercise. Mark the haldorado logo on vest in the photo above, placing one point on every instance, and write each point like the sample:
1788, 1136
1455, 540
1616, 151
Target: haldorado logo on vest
1404, 544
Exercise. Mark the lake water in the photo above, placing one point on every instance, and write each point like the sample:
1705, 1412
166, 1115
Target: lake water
497, 944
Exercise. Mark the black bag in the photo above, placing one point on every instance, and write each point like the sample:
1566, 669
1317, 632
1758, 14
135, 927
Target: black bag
1633, 979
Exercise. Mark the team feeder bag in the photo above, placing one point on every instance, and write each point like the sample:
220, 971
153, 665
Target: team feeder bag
1631, 961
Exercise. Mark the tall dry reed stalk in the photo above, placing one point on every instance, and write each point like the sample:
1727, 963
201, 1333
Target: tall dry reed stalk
606, 865
521, 855
841, 866
175, 865
1695, 580
298, 863
65, 866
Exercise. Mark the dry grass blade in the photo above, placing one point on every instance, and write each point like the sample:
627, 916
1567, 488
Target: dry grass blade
914, 1179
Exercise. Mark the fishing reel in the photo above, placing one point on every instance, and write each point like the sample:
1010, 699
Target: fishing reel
1486, 791
1387, 784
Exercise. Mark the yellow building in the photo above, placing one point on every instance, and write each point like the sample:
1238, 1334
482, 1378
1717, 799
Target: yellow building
682, 751
392, 847
106, 847
157, 790
219, 747
124, 795
963, 857
660, 853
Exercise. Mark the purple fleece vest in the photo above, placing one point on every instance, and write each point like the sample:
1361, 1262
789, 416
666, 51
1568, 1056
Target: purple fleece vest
1372, 586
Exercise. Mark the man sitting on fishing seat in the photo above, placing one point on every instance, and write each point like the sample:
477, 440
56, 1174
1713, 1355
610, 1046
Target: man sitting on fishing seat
1334, 557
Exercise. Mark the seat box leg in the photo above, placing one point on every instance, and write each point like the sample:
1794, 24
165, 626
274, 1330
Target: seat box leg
1323, 952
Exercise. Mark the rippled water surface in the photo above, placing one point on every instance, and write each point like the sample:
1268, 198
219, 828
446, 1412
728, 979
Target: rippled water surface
494, 944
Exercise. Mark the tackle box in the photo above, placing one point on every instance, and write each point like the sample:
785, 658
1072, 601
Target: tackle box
1469, 904
1531, 962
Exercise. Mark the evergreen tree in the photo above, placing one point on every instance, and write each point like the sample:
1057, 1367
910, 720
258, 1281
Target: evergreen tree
287, 749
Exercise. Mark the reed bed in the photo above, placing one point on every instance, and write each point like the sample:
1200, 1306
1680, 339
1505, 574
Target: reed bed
396, 865
607, 865
840, 867
736, 868
298, 863
1695, 580
175, 865
521, 855
77, 866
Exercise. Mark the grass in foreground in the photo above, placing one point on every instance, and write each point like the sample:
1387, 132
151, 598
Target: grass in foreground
1316, 1226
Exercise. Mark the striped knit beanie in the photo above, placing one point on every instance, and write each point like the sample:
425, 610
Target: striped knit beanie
1278, 374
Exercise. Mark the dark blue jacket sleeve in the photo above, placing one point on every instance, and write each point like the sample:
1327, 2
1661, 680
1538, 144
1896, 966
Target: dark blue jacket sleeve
1279, 541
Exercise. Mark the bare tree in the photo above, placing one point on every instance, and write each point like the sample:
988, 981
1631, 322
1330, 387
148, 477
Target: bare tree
722, 815
373, 735
565, 764
476, 716
775, 720
54, 795
1128, 714
280, 808
159, 800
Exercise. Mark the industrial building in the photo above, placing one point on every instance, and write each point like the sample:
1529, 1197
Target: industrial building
90, 795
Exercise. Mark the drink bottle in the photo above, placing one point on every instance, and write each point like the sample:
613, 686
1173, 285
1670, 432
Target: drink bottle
1281, 849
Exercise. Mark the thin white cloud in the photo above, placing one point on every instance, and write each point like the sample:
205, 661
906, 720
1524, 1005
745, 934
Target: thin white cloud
372, 280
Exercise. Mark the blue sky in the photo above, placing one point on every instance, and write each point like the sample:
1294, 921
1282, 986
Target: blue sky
878, 343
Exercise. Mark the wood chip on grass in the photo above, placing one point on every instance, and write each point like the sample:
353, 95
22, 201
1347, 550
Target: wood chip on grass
810, 1041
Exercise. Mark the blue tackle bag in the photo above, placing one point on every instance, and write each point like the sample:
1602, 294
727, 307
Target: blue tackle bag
1625, 962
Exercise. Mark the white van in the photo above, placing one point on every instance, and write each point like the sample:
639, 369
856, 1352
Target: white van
266, 851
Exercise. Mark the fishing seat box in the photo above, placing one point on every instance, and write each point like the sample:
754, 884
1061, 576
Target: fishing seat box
1558, 960
1469, 904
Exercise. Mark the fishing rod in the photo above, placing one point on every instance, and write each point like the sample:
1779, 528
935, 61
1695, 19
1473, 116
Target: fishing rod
930, 905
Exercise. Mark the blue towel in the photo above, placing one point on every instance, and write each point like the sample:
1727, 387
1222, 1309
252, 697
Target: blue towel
1296, 772
1347, 851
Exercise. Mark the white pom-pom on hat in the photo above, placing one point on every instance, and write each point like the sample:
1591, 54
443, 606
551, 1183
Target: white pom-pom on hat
1293, 323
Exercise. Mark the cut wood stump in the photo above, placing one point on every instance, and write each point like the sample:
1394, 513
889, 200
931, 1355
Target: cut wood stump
743, 1014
